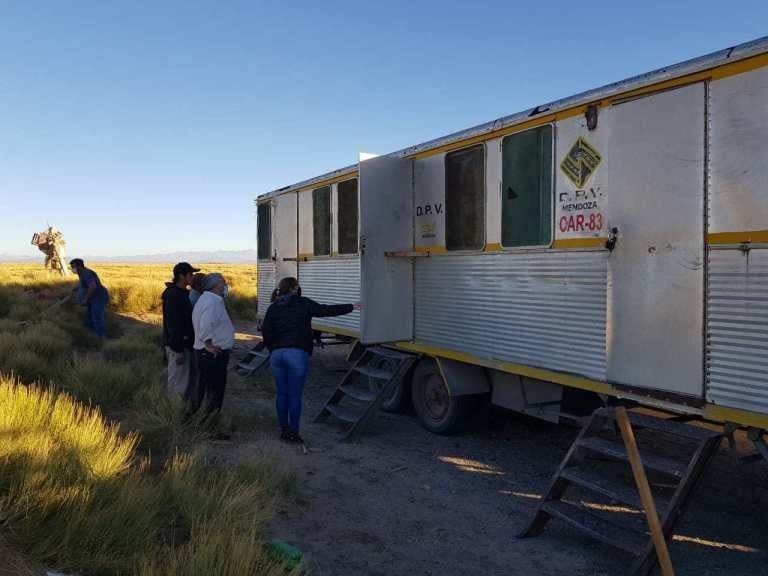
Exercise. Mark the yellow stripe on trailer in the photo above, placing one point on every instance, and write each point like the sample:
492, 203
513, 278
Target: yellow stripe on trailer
709, 411
745, 237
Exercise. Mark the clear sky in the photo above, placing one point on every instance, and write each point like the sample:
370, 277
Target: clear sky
146, 127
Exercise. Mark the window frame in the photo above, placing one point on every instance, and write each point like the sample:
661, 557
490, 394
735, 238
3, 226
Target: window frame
338, 218
330, 222
484, 219
271, 255
553, 180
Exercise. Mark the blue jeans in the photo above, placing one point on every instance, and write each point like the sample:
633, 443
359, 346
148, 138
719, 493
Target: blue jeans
96, 317
289, 367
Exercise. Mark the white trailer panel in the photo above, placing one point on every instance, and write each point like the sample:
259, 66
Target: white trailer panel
737, 322
544, 309
654, 181
333, 281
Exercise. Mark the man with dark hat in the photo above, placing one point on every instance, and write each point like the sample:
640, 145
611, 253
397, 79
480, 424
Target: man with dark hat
178, 334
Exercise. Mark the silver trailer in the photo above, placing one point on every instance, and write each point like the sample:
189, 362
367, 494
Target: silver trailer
614, 242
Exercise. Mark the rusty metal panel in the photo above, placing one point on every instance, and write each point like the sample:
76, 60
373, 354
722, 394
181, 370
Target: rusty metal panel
333, 281
737, 329
266, 274
738, 109
538, 308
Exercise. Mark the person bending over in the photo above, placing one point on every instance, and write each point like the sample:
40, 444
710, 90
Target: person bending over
93, 295
287, 332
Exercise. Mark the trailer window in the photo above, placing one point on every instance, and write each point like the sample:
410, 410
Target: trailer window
264, 225
526, 191
321, 220
465, 199
347, 204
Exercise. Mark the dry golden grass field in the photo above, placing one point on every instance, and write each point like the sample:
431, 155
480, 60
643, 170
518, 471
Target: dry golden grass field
99, 472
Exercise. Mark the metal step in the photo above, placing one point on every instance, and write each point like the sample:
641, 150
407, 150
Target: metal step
345, 413
665, 425
388, 353
605, 484
607, 532
378, 373
362, 394
616, 450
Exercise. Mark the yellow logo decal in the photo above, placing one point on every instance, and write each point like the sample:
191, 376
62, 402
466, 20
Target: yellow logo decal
581, 162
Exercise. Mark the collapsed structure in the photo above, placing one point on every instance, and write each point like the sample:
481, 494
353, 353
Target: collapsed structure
51, 243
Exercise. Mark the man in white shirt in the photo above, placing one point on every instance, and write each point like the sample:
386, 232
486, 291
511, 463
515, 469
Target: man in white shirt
214, 338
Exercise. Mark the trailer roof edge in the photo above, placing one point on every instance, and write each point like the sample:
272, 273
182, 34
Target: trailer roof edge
681, 69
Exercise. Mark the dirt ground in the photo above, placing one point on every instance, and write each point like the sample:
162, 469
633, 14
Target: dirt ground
401, 500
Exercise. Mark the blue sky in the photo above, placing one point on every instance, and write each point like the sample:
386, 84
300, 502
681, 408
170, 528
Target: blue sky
147, 127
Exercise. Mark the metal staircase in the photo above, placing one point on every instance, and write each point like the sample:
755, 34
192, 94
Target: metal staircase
375, 373
594, 489
256, 358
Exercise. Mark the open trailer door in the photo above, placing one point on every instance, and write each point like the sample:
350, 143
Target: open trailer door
285, 231
386, 226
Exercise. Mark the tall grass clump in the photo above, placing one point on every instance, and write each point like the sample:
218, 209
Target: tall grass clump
72, 489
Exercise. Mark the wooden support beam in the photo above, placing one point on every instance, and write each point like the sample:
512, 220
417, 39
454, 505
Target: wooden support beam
646, 497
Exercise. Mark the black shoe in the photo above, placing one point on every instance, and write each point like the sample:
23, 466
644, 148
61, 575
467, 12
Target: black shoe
285, 435
294, 438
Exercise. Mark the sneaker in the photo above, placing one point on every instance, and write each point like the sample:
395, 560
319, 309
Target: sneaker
294, 438
285, 435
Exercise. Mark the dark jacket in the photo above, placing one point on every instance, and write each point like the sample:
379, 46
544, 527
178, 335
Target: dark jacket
288, 321
178, 333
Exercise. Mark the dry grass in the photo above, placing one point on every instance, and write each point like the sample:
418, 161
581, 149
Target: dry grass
136, 288
78, 421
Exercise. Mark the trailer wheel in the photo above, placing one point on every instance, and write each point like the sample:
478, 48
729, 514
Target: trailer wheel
438, 411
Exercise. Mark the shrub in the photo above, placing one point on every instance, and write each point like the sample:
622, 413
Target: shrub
111, 385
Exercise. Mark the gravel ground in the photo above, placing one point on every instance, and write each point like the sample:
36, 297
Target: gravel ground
401, 500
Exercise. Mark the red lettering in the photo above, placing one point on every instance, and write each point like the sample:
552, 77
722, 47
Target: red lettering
580, 222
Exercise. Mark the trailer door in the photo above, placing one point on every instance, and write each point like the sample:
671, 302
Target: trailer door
285, 235
386, 225
655, 189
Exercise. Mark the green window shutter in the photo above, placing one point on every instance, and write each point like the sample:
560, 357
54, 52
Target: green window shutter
526, 191
321, 220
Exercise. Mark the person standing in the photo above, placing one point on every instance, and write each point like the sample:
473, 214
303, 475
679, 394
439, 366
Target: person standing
93, 295
287, 332
178, 335
196, 287
214, 339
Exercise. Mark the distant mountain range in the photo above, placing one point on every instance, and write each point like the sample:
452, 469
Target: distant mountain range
217, 256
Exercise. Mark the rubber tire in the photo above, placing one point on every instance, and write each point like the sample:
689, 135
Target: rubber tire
455, 417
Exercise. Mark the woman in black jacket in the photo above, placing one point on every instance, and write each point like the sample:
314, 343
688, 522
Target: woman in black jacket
287, 331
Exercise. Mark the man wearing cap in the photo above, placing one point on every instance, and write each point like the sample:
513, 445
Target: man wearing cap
178, 335
214, 339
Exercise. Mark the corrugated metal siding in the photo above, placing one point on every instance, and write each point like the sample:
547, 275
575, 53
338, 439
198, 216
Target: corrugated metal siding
267, 274
737, 329
545, 309
333, 281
